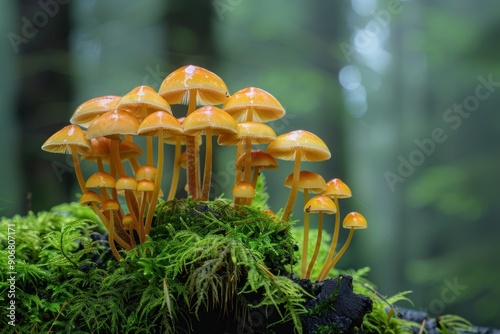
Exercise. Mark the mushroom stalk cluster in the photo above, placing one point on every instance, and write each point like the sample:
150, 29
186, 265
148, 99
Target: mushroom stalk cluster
126, 187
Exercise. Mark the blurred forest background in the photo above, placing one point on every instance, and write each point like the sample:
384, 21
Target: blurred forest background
405, 94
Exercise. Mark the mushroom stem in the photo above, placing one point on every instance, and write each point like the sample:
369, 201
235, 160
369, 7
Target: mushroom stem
295, 187
105, 221
305, 240
239, 150
248, 160
207, 173
335, 239
191, 159
340, 253
318, 244
149, 150
158, 177
177, 167
78, 171
111, 236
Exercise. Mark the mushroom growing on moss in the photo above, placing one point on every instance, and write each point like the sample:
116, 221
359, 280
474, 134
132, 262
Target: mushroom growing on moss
210, 121
308, 182
318, 204
193, 85
161, 124
353, 221
70, 139
297, 145
335, 189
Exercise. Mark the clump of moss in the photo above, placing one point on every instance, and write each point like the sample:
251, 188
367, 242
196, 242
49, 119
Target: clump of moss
201, 257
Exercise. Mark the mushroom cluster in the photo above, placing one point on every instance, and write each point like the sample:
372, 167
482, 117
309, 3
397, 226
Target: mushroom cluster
103, 130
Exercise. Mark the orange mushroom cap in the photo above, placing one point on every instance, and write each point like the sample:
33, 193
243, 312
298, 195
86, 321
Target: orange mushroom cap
89, 197
259, 158
69, 137
335, 187
101, 180
160, 121
89, 110
126, 183
145, 185
243, 189
145, 172
311, 146
311, 181
254, 104
257, 133
320, 203
110, 205
208, 87
354, 220
209, 117
142, 101
112, 124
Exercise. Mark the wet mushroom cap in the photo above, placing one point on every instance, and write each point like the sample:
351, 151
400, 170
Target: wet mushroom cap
257, 133
126, 183
208, 87
145, 185
311, 181
71, 136
101, 180
259, 159
89, 197
209, 117
263, 106
311, 146
89, 110
112, 124
354, 220
335, 187
320, 203
160, 121
243, 189
145, 172
142, 101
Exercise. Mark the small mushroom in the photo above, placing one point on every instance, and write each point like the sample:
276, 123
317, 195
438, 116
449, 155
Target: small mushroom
193, 85
353, 221
297, 145
112, 207
210, 121
335, 189
142, 101
308, 182
161, 124
318, 204
89, 110
70, 139
241, 192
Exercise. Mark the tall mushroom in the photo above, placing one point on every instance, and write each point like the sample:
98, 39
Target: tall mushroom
297, 145
249, 133
193, 85
308, 182
70, 139
89, 110
252, 104
142, 101
259, 160
161, 124
353, 221
318, 204
210, 121
335, 189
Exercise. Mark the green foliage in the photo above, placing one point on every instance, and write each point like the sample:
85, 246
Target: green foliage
449, 324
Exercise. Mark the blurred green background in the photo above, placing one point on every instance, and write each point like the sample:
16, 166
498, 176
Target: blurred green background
405, 94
